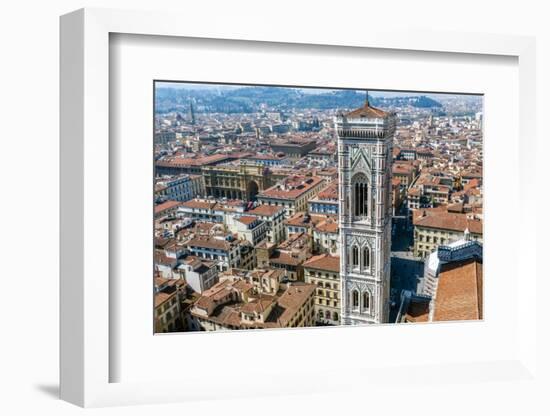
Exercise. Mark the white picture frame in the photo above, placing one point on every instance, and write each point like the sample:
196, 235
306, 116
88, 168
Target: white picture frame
86, 354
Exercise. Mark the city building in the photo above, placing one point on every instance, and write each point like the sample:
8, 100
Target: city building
323, 153
288, 256
235, 181
199, 274
254, 196
249, 228
175, 165
169, 296
324, 271
223, 250
266, 159
166, 209
165, 265
406, 174
273, 216
292, 193
456, 251
326, 236
164, 137
179, 188
365, 140
397, 196
294, 148
200, 209
235, 304
326, 201
439, 226
264, 281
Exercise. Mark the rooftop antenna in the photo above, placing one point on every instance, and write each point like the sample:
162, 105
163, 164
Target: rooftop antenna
367, 99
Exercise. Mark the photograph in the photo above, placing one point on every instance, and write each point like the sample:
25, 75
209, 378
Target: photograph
286, 207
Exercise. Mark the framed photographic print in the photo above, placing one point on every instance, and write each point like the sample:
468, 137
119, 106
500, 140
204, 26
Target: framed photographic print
318, 212
285, 207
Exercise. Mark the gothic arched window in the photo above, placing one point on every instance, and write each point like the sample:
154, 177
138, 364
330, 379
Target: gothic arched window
355, 299
360, 197
366, 300
355, 256
366, 257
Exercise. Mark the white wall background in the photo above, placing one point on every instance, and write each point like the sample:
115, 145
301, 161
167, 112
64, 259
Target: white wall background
29, 205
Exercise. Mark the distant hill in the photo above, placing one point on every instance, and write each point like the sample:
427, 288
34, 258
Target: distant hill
249, 99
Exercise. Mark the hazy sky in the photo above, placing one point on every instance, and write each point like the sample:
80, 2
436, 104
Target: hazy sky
219, 87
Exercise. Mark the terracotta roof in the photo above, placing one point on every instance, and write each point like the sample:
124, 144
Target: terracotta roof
159, 281
472, 183
242, 285
169, 291
258, 305
284, 258
247, 219
162, 297
163, 259
292, 188
367, 112
324, 262
199, 204
293, 298
198, 161
402, 170
330, 192
166, 206
204, 302
414, 191
330, 225
443, 220
284, 309
265, 210
209, 242
459, 293
300, 219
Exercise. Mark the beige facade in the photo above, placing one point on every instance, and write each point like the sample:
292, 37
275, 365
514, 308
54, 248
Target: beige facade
169, 297
292, 194
426, 240
436, 226
324, 272
235, 181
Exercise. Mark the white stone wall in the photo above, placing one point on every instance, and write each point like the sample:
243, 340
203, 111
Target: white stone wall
369, 155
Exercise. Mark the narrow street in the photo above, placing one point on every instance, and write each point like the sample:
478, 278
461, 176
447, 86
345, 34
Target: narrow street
406, 270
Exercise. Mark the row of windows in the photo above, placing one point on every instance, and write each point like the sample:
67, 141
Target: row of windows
326, 285
360, 257
327, 315
327, 302
325, 275
360, 302
328, 294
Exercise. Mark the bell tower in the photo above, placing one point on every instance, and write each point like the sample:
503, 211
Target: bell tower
365, 141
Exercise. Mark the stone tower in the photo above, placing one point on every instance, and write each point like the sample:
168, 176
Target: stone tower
365, 141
